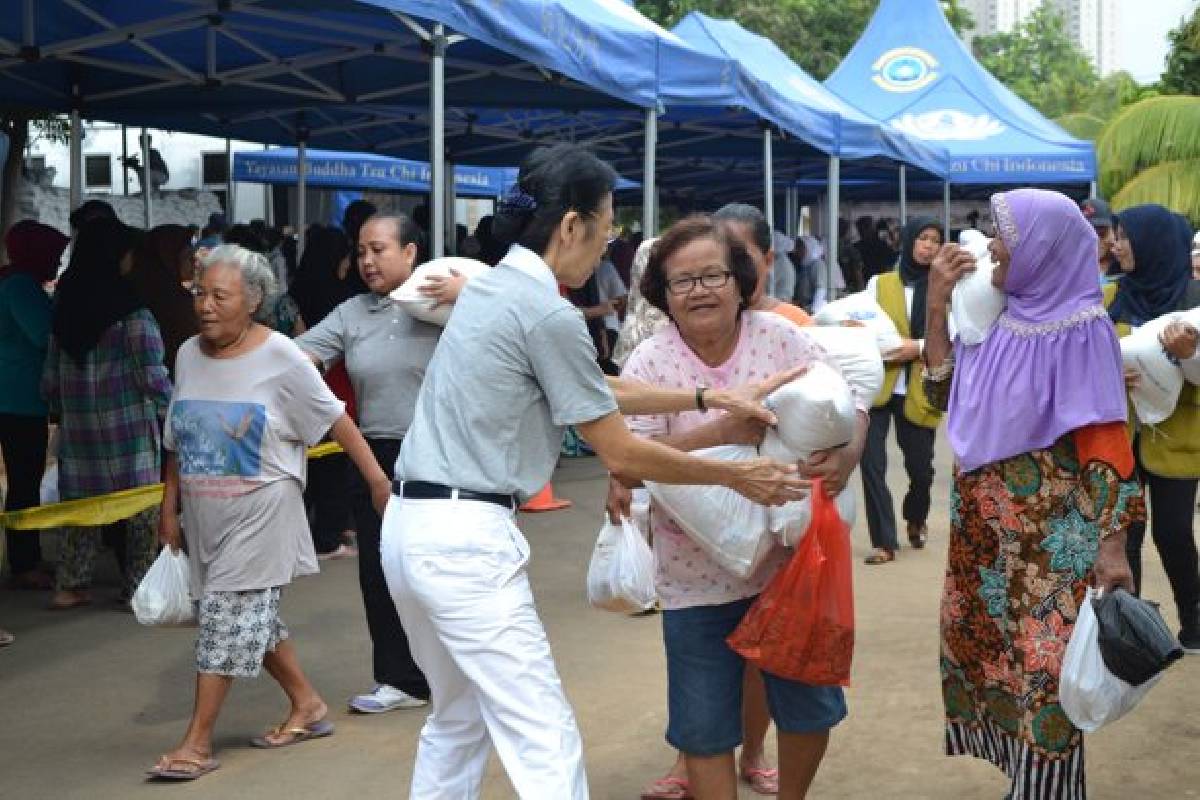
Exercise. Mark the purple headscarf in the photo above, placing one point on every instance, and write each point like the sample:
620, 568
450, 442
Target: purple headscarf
1051, 364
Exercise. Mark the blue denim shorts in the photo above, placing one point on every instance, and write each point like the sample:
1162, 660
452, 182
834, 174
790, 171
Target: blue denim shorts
704, 685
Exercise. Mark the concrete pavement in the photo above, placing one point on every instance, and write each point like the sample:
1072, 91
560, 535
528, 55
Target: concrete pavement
89, 699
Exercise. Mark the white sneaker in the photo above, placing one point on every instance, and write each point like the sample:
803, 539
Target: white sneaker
384, 698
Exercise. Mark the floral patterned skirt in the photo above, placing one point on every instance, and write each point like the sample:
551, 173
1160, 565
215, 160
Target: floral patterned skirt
1024, 536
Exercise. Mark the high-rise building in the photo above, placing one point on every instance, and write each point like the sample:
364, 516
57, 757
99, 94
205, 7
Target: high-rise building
1092, 24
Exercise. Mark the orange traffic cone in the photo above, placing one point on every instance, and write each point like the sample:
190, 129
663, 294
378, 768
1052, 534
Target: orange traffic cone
545, 501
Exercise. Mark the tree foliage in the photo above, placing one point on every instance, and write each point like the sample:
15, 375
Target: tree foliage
1040, 63
1182, 75
816, 34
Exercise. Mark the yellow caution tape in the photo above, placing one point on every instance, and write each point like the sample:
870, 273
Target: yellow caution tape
107, 508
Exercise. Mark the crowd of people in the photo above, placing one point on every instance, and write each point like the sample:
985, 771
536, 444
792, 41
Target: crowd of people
211, 359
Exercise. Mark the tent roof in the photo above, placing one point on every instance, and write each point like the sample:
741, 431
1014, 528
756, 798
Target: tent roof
801, 105
910, 70
226, 55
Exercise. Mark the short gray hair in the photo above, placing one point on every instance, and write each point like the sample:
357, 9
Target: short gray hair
257, 276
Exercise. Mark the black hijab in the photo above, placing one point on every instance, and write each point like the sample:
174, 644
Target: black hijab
92, 295
1161, 243
317, 288
915, 275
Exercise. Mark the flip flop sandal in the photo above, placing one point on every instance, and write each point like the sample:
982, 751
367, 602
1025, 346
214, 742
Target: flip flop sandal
668, 788
197, 769
6, 638
880, 556
313, 730
762, 780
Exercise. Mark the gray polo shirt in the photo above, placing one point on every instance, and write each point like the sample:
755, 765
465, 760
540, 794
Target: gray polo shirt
386, 353
514, 367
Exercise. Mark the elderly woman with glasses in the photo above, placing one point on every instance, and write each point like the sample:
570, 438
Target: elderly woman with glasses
247, 404
700, 275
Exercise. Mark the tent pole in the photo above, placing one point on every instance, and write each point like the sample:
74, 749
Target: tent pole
229, 187
76, 155
768, 178
946, 210
649, 215
437, 142
903, 194
831, 246
124, 158
451, 235
147, 183
1092, 189
301, 191
268, 200
789, 211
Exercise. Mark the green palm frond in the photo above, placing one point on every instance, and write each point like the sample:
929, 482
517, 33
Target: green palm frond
1174, 184
1150, 132
1081, 125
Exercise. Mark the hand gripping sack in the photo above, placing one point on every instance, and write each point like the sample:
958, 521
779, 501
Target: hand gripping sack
163, 597
802, 625
857, 355
1089, 693
975, 303
425, 308
1157, 393
621, 574
729, 527
1191, 367
863, 309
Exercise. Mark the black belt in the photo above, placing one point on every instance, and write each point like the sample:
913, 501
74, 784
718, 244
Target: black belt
422, 490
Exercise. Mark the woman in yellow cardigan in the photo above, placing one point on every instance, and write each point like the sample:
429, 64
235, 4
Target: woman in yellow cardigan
901, 293
1153, 247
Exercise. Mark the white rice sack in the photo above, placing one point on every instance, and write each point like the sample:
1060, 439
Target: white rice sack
789, 522
1157, 393
1191, 367
862, 308
425, 308
975, 303
815, 412
726, 525
857, 355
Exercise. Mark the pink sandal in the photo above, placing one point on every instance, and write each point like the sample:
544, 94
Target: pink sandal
762, 780
668, 788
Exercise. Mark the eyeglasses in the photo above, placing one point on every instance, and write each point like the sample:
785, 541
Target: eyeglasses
709, 280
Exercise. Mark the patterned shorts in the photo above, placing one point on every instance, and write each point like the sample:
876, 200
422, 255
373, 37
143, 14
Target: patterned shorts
236, 631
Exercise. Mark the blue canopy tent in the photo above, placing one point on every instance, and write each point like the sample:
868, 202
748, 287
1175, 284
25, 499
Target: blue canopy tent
170, 63
835, 128
910, 71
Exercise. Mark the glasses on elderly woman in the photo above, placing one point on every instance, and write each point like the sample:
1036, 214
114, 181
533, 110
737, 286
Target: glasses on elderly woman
709, 280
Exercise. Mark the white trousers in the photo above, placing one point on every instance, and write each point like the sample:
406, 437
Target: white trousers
456, 570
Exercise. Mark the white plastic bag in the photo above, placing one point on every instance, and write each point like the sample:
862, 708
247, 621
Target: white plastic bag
975, 303
1157, 393
621, 573
729, 527
163, 597
1090, 695
856, 353
789, 522
815, 412
424, 308
862, 308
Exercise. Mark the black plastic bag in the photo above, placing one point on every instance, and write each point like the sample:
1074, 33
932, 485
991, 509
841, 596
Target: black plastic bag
1135, 642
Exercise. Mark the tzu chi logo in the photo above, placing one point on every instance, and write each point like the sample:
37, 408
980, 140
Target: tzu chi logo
905, 69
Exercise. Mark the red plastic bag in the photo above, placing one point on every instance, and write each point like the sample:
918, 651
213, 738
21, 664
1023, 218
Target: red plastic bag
802, 625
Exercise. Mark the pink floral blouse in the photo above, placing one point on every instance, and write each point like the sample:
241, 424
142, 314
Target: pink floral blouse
767, 344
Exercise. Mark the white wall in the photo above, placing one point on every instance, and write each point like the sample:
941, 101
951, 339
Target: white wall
181, 151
